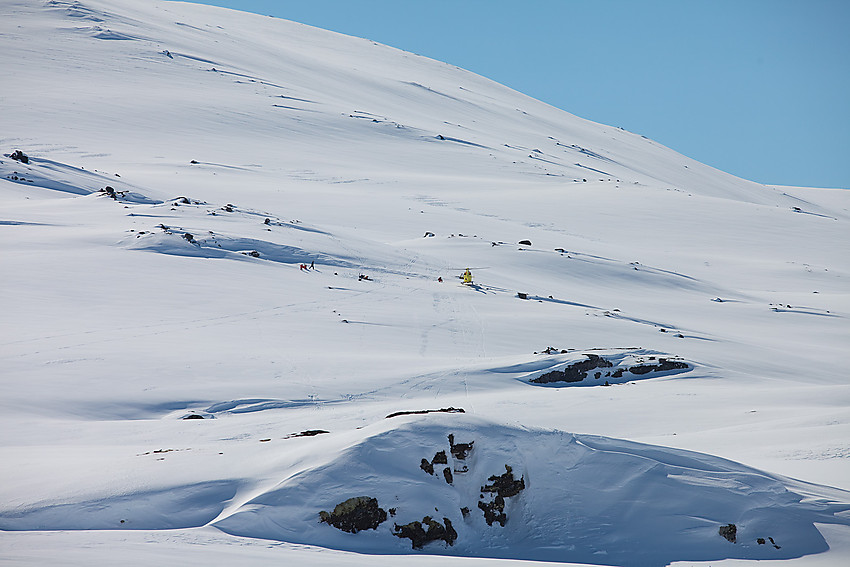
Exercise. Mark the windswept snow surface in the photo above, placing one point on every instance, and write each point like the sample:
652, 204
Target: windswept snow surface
666, 358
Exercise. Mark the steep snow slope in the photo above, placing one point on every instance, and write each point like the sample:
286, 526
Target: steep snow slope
238, 148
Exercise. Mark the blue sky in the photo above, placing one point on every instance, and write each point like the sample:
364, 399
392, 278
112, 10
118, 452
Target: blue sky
758, 88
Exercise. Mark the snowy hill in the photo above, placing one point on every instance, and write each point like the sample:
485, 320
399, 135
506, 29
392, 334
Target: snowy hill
233, 250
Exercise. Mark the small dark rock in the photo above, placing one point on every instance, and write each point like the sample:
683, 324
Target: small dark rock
730, 532
617, 373
355, 514
447, 474
20, 156
522, 295
194, 416
760, 541
525, 242
440, 458
189, 237
428, 235
426, 466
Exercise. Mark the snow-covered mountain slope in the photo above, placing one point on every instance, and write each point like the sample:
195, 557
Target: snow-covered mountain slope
644, 338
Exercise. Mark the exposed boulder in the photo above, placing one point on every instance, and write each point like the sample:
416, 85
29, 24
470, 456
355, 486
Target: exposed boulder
730, 532
20, 156
426, 466
355, 514
447, 474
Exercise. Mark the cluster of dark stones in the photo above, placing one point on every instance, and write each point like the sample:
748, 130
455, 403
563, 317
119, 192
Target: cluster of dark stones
575, 372
503, 486
20, 156
440, 458
355, 514
426, 531
761, 541
578, 371
458, 450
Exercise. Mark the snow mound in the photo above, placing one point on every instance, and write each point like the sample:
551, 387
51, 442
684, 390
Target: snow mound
559, 496
41, 173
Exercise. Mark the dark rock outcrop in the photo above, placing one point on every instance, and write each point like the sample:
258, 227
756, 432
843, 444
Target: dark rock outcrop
730, 532
447, 474
20, 156
459, 450
419, 412
494, 511
575, 372
663, 365
504, 486
355, 514
426, 531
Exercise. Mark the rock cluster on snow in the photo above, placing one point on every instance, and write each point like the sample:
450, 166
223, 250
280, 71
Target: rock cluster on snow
578, 371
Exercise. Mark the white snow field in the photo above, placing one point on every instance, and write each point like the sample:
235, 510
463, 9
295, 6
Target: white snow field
649, 369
